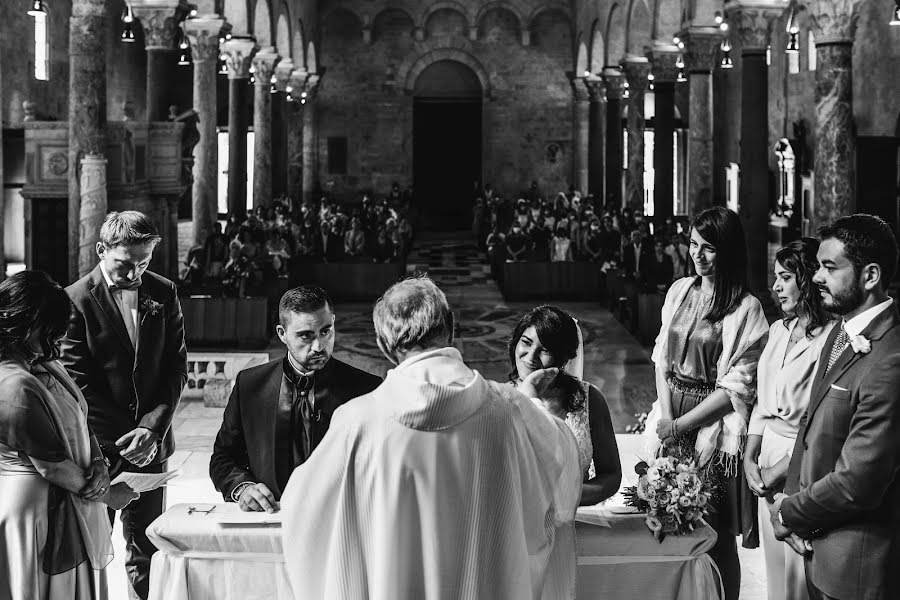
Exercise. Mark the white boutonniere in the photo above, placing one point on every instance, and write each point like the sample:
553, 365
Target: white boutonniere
151, 307
860, 344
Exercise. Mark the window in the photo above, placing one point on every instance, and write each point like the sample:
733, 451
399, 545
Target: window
811, 51
223, 170
41, 48
337, 156
793, 62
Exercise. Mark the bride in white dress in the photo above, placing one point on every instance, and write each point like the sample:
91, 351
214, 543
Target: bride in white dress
548, 337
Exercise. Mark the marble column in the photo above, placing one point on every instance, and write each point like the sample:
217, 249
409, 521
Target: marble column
751, 24
596, 134
92, 210
702, 47
310, 137
203, 33
580, 136
87, 119
264, 65
290, 79
834, 26
237, 51
2, 195
615, 89
636, 70
664, 73
159, 19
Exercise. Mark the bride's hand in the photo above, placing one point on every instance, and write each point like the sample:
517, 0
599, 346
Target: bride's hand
538, 381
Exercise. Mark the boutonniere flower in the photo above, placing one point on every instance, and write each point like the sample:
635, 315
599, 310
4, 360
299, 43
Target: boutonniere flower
150, 306
860, 344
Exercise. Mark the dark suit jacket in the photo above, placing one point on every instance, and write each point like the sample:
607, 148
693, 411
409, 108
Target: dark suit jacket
254, 442
127, 388
628, 258
843, 478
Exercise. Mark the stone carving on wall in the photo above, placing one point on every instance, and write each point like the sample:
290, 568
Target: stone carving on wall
93, 210
553, 153
702, 51
55, 165
159, 27
834, 20
752, 26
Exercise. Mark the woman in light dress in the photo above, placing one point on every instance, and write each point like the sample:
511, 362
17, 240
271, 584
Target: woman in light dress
547, 337
786, 371
54, 484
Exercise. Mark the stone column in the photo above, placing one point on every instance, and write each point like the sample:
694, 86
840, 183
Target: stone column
751, 24
580, 138
92, 210
702, 46
596, 134
834, 25
615, 88
203, 33
664, 73
159, 19
264, 63
310, 137
290, 79
2, 194
636, 70
87, 119
238, 51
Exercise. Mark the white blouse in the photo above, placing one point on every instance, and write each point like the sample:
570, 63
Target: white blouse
785, 379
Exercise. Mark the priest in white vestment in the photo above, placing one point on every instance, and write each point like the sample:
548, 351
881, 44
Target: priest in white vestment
438, 484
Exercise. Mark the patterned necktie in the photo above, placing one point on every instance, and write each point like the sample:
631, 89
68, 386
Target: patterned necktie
304, 384
840, 343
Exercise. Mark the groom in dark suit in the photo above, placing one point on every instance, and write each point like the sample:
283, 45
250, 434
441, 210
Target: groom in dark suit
279, 412
842, 508
125, 349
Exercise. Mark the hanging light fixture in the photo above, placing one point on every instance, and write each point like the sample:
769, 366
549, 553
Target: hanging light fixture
650, 78
223, 68
128, 27
679, 61
719, 17
184, 59
681, 78
793, 45
895, 20
37, 9
273, 89
727, 62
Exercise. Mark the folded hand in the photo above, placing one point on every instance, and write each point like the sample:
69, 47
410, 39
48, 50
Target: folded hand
97, 481
798, 544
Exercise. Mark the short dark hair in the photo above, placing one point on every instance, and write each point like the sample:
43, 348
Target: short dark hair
128, 228
867, 239
31, 301
303, 299
799, 258
722, 228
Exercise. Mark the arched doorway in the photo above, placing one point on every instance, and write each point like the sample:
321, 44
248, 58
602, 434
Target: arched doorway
446, 143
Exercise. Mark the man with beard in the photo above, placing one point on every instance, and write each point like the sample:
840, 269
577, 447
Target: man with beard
279, 412
841, 506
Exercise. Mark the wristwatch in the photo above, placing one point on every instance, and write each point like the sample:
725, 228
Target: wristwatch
781, 519
239, 489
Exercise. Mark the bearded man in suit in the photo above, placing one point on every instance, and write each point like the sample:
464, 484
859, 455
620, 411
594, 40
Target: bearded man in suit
125, 349
279, 412
841, 506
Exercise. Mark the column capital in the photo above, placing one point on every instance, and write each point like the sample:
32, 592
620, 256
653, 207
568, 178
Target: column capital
752, 23
238, 51
159, 19
615, 83
579, 92
283, 71
662, 64
596, 88
304, 85
264, 63
833, 21
203, 33
701, 48
636, 69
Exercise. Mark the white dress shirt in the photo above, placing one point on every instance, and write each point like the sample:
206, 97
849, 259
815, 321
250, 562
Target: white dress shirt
127, 303
857, 324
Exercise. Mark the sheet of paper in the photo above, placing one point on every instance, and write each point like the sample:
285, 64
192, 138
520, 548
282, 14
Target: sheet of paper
594, 515
246, 518
144, 482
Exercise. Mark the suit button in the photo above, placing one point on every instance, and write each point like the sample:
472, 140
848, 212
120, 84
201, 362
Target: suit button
132, 406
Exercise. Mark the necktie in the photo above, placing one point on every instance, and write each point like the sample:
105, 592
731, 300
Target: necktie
840, 343
304, 423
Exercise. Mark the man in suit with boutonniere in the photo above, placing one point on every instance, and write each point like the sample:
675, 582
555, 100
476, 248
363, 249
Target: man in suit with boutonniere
841, 506
125, 349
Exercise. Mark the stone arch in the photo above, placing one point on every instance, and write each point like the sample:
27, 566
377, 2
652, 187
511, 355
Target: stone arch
378, 22
615, 36
554, 7
446, 16
283, 34
448, 79
344, 7
460, 52
430, 9
312, 64
581, 60
597, 49
515, 8
495, 14
667, 21
262, 23
298, 47
638, 33
237, 13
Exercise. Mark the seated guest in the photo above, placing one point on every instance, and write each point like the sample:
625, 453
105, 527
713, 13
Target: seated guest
657, 273
635, 255
593, 243
279, 412
279, 252
236, 275
354, 240
540, 241
562, 245
216, 251
547, 337
384, 246
517, 244
610, 240
438, 484
496, 248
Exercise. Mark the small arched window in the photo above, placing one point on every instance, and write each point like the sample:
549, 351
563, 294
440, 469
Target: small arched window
811, 51
41, 47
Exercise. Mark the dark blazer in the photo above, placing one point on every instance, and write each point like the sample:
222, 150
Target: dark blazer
127, 388
254, 443
628, 258
843, 478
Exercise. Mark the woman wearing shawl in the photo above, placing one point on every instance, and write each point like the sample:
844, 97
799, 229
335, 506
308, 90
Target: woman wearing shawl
54, 485
706, 354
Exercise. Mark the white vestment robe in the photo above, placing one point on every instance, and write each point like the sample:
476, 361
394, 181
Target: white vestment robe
437, 485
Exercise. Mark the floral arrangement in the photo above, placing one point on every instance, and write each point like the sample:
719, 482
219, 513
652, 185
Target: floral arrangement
639, 425
672, 494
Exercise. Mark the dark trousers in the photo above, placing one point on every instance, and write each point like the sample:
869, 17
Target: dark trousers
136, 517
814, 592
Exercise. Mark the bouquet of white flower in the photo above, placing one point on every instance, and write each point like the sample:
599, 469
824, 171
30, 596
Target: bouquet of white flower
672, 493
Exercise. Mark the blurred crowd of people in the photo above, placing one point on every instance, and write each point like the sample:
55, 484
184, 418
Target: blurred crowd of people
568, 227
264, 244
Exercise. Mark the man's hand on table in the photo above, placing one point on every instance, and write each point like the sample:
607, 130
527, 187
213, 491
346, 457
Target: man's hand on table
257, 497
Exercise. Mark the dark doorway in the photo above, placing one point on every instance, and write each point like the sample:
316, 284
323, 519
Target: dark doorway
876, 178
50, 237
446, 144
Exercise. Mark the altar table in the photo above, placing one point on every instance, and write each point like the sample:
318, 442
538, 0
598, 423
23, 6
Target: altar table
200, 559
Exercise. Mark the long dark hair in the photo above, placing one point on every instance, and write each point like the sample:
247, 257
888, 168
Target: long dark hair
31, 301
799, 258
558, 333
722, 228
